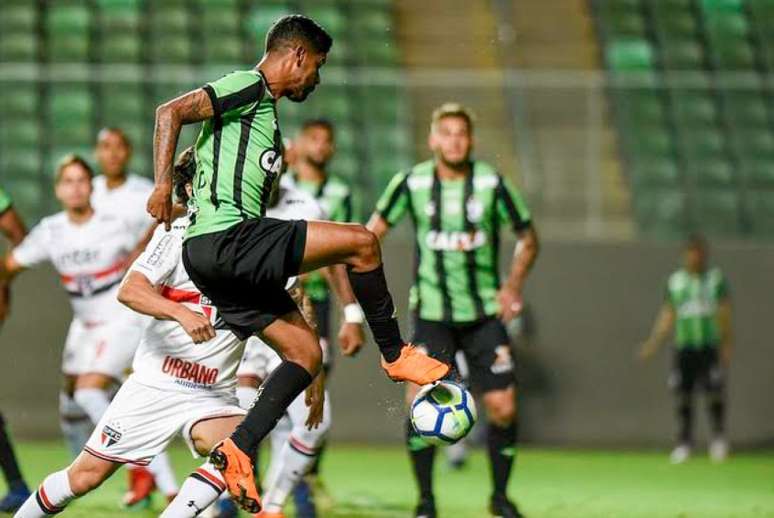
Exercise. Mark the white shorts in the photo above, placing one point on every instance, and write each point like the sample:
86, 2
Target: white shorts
258, 360
101, 348
141, 421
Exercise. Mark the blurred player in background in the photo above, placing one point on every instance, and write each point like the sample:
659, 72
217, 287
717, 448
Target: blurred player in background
241, 260
697, 309
313, 149
13, 229
118, 192
458, 205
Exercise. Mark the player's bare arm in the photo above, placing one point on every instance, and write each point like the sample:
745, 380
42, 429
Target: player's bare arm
12, 227
660, 332
195, 106
726, 332
351, 336
141, 296
524, 256
9, 268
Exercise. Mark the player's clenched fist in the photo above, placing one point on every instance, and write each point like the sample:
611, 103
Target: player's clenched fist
197, 326
160, 206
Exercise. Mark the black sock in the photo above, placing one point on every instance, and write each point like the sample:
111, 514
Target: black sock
275, 395
8, 463
717, 409
422, 458
501, 443
685, 419
370, 289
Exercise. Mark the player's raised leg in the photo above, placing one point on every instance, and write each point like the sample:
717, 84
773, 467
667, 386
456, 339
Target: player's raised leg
351, 244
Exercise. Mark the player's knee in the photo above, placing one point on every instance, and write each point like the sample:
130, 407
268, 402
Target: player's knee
369, 254
83, 481
308, 354
500, 410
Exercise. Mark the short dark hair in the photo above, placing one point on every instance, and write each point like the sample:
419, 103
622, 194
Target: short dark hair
72, 159
295, 28
183, 173
318, 123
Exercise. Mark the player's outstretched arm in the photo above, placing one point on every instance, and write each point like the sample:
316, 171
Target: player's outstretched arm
192, 107
524, 256
661, 330
140, 295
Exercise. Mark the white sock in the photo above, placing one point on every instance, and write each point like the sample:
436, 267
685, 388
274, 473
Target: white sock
277, 440
94, 401
199, 491
297, 455
162, 472
75, 424
51, 497
246, 396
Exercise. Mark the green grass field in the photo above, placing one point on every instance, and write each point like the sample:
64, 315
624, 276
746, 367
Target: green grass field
376, 482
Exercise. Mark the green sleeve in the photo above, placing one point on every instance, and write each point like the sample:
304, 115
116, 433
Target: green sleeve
511, 207
342, 212
235, 92
5, 201
395, 199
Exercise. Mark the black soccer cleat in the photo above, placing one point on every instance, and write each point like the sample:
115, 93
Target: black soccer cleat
426, 509
501, 507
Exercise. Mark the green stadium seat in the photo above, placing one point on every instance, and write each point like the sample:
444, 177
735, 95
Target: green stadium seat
329, 16
682, 55
121, 16
694, 109
758, 171
624, 24
675, 25
733, 55
16, 47
171, 48
650, 143
122, 48
258, 20
658, 171
702, 144
645, 109
21, 161
717, 211
630, 54
745, 109
18, 17
168, 17
753, 143
19, 100
20, 132
710, 171
760, 205
660, 212
30, 195
225, 49
220, 18
71, 115
123, 100
727, 26
62, 18
722, 6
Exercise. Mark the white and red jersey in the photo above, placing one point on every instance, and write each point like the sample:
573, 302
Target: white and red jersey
127, 201
167, 357
90, 258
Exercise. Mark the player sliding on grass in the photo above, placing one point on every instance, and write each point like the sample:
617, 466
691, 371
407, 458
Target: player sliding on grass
458, 206
183, 382
241, 260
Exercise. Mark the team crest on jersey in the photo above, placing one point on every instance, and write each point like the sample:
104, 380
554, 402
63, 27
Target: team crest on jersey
271, 161
503, 361
474, 209
85, 284
110, 435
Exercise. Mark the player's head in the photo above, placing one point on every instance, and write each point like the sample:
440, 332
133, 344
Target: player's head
113, 151
72, 183
302, 47
315, 142
695, 253
183, 174
451, 134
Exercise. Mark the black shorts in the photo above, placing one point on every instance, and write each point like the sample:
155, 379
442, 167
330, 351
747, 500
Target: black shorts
243, 270
485, 344
696, 367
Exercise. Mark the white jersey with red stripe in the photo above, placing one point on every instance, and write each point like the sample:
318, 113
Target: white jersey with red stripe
126, 201
90, 258
167, 357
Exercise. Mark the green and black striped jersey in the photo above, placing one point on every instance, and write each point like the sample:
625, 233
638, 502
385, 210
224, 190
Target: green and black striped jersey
5, 201
238, 154
457, 225
335, 197
695, 298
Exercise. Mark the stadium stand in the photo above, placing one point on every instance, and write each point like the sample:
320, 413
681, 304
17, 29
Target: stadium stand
699, 149
160, 49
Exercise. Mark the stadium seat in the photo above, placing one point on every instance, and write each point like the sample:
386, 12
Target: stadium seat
19, 100
717, 211
722, 6
18, 17
757, 171
753, 143
702, 143
710, 171
660, 212
18, 47
21, 162
329, 16
760, 205
644, 109
123, 101
629, 54
71, 115
258, 20
744, 109
691, 109
20, 132
650, 144
682, 55
68, 29
121, 48
658, 171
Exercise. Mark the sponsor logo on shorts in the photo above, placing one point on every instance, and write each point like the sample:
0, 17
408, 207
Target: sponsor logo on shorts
189, 374
503, 361
110, 435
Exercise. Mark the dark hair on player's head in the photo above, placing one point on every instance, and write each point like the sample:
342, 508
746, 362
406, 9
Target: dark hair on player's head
183, 173
318, 123
67, 161
696, 241
115, 130
296, 28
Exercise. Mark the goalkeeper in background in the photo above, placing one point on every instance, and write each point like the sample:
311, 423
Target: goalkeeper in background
698, 308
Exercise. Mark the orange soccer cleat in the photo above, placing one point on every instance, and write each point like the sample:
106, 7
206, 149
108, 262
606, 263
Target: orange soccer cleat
237, 470
415, 366
141, 485
266, 514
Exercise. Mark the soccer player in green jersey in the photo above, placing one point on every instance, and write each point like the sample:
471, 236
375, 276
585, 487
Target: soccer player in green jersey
457, 206
697, 309
241, 260
13, 229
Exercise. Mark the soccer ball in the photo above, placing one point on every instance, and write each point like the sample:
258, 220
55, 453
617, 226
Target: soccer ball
443, 412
